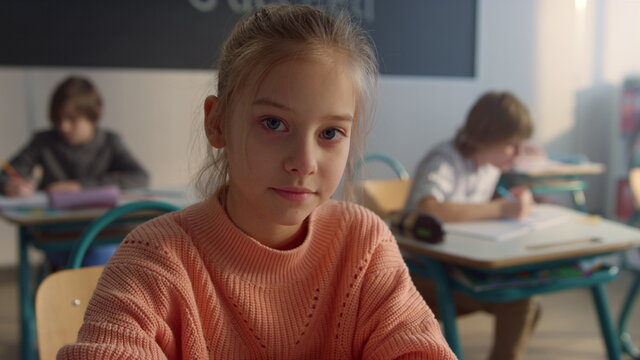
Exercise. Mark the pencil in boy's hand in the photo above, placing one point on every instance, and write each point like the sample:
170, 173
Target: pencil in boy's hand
6, 166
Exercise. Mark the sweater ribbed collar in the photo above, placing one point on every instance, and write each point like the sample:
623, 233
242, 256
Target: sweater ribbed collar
234, 252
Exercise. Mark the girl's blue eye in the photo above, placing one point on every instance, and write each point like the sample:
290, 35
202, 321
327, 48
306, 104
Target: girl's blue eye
273, 124
329, 134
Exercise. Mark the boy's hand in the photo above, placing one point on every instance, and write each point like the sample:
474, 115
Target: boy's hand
520, 206
19, 188
67, 185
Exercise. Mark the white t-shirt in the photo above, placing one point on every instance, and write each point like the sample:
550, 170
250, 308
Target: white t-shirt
445, 174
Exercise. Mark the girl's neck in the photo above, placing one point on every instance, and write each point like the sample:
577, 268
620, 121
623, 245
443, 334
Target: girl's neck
275, 236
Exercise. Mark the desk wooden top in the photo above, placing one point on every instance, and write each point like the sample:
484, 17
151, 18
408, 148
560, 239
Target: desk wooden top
558, 169
562, 241
41, 216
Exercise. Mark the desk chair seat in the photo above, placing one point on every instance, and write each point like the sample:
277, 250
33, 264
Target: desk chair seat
62, 297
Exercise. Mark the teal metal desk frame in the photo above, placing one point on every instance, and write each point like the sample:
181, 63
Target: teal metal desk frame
436, 271
576, 185
625, 313
515, 255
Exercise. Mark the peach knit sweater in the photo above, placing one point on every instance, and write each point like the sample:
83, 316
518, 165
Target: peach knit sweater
191, 285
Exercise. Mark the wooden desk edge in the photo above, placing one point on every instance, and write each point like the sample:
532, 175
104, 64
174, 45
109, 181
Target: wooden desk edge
413, 245
578, 170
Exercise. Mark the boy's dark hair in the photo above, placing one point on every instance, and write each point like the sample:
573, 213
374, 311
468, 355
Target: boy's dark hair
81, 93
494, 118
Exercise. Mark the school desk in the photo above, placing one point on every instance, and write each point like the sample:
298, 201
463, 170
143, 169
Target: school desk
48, 229
579, 237
554, 177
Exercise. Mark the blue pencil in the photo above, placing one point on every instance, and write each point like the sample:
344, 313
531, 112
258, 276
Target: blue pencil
502, 191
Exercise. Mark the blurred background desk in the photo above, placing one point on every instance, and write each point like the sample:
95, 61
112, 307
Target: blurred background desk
536, 250
552, 177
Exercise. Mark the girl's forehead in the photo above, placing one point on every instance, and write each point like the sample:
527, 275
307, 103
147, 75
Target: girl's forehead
284, 69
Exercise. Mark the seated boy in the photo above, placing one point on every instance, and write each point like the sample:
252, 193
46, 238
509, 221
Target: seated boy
456, 181
75, 154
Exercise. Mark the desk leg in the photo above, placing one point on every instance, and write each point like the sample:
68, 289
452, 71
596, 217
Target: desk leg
27, 313
445, 304
623, 323
606, 325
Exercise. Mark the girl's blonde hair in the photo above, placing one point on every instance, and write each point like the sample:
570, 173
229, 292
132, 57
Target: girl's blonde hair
494, 118
278, 33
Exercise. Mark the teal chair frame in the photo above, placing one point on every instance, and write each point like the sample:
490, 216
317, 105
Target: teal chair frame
394, 164
96, 226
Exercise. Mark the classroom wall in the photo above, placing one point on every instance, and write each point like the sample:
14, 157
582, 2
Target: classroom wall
566, 64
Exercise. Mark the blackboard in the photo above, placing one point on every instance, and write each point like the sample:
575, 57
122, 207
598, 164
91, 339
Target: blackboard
412, 37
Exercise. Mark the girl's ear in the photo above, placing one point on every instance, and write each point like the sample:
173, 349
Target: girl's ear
213, 122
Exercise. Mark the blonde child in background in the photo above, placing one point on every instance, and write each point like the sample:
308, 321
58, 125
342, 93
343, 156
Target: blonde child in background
456, 181
267, 266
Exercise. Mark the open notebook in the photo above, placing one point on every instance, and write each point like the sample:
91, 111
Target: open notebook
97, 197
37, 200
505, 229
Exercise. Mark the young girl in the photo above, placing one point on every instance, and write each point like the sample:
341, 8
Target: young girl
268, 266
456, 181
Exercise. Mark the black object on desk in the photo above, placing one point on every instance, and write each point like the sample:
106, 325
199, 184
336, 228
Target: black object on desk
417, 225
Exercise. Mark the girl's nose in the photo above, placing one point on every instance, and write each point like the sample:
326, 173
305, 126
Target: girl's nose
302, 159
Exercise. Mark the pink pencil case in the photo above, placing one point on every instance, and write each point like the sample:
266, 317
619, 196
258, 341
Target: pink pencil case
99, 197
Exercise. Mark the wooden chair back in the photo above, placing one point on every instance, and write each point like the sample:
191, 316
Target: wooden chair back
61, 301
383, 196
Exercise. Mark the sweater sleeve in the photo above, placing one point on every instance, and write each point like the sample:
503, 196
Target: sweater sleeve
135, 312
124, 170
393, 317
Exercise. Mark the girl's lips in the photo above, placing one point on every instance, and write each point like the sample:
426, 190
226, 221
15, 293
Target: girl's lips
293, 194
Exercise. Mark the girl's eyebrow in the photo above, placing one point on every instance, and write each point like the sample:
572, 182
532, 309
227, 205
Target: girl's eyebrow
269, 102
273, 103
